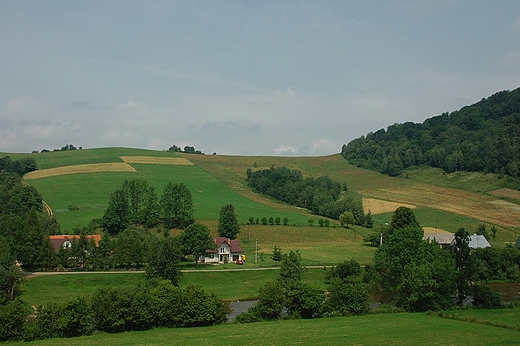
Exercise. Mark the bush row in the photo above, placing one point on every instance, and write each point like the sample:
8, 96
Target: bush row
114, 310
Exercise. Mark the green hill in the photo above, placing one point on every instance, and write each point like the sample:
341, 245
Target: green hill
441, 201
483, 137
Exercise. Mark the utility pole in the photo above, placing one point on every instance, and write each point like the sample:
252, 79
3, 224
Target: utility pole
256, 252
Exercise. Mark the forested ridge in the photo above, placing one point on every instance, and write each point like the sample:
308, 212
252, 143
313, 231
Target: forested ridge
483, 137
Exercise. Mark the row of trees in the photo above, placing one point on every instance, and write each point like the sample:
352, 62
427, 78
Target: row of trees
114, 310
484, 137
137, 203
320, 195
268, 221
187, 149
289, 297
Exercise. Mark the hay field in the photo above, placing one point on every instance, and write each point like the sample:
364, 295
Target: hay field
151, 160
79, 169
475, 205
508, 193
377, 206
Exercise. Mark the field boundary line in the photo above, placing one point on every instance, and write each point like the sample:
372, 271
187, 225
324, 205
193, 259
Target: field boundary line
80, 169
157, 160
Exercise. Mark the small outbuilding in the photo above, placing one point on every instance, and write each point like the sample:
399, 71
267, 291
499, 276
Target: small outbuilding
478, 241
443, 239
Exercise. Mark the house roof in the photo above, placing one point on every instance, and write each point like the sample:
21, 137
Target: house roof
234, 244
478, 241
58, 240
441, 238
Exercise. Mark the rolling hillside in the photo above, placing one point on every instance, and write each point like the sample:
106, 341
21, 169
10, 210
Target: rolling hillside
442, 201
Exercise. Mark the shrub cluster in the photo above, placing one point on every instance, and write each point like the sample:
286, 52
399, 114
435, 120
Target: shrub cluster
288, 297
114, 310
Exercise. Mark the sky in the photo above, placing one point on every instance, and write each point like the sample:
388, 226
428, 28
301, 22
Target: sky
244, 77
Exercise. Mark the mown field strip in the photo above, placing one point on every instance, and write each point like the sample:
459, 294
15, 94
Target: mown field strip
377, 206
79, 169
151, 160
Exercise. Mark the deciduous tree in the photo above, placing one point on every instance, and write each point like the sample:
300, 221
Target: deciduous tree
195, 240
228, 222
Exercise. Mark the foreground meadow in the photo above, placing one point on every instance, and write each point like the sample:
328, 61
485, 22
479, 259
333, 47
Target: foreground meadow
383, 329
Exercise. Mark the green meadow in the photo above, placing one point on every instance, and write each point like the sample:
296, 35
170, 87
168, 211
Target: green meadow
90, 193
218, 180
383, 329
231, 285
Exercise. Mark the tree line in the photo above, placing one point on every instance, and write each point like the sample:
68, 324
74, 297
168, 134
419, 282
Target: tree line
320, 195
20, 167
187, 150
483, 137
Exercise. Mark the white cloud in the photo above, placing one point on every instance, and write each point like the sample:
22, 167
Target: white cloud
320, 146
129, 105
285, 150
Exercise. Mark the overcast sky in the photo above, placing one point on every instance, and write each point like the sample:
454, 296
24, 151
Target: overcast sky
243, 77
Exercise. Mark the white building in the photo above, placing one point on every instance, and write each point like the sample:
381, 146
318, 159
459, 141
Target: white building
227, 251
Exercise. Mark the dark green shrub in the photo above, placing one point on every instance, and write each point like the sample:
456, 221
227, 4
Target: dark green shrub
12, 320
484, 297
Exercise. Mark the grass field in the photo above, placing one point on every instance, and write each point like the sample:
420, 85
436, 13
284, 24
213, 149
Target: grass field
90, 193
395, 329
233, 285
507, 317
447, 201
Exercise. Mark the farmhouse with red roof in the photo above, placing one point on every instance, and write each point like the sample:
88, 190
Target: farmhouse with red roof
228, 250
65, 241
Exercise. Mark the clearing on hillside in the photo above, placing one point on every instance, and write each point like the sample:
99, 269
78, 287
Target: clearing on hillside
157, 160
377, 206
78, 169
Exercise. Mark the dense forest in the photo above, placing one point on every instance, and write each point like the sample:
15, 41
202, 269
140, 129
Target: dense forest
320, 195
483, 137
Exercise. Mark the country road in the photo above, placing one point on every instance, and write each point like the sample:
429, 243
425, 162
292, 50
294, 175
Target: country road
30, 275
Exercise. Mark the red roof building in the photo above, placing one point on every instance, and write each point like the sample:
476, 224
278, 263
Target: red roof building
65, 241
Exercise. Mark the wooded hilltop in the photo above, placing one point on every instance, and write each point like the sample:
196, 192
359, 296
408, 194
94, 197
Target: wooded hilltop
483, 137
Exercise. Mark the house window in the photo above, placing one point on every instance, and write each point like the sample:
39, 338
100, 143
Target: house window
235, 258
211, 256
221, 250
